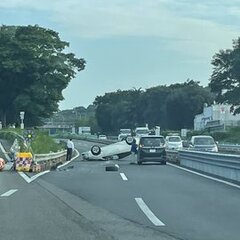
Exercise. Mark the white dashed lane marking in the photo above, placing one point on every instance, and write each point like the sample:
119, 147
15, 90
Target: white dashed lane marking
150, 215
9, 193
124, 178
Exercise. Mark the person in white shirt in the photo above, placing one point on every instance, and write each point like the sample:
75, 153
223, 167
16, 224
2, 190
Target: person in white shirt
70, 148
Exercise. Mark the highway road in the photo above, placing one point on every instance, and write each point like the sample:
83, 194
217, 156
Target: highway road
83, 201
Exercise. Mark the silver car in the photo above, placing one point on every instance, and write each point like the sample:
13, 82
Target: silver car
174, 142
203, 143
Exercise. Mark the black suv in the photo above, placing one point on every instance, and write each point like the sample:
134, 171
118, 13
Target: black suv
151, 149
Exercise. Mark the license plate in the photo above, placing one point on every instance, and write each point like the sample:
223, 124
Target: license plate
152, 150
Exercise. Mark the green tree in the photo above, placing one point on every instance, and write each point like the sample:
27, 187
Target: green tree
184, 102
34, 69
118, 109
225, 78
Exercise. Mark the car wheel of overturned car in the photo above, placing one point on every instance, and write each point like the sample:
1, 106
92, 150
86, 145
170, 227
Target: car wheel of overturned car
95, 150
129, 140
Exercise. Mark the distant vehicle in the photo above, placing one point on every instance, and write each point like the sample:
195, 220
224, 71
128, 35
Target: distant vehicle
151, 149
124, 132
203, 143
142, 131
116, 150
102, 137
174, 142
84, 130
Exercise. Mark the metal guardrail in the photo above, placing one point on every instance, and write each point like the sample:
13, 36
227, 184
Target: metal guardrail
172, 156
223, 165
49, 157
50, 161
229, 148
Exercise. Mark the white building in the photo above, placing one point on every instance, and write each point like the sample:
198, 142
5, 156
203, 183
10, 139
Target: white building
216, 115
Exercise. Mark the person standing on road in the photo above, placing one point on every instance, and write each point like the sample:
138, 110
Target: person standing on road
70, 148
134, 151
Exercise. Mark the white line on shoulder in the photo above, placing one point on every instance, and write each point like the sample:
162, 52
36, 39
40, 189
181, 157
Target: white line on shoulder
205, 176
150, 215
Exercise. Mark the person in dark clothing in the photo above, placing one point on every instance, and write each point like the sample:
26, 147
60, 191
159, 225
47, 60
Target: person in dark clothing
134, 151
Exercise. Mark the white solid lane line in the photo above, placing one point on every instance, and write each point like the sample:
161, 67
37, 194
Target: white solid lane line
150, 215
9, 193
30, 179
124, 178
205, 176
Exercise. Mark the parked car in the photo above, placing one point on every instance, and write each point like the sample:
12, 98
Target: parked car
174, 142
151, 149
203, 143
141, 131
102, 137
116, 150
124, 133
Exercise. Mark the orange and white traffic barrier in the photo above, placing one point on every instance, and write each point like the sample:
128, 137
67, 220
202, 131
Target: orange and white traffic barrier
24, 161
2, 164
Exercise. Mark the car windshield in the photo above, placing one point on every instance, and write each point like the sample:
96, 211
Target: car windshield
203, 141
174, 139
149, 142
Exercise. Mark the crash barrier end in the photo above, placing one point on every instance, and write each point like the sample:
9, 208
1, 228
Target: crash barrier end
23, 161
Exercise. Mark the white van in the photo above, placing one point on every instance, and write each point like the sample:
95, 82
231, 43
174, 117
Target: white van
142, 131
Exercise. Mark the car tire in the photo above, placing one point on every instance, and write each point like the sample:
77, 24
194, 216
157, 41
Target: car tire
95, 150
129, 140
112, 168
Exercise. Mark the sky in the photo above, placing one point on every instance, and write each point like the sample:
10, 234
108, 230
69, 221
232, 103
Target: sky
132, 43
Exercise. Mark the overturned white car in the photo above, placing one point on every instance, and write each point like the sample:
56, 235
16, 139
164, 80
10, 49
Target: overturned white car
112, 151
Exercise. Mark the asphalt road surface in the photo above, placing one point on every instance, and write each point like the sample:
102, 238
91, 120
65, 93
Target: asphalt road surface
83, 201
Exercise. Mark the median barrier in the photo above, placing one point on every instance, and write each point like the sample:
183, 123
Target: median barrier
229, 148
49, 161
218, 164
172, 156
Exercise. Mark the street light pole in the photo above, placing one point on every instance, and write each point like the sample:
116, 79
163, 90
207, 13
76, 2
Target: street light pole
22, 118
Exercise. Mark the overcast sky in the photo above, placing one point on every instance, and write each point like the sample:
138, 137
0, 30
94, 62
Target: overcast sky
132, 43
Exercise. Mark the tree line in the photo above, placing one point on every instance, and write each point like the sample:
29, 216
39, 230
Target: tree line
171, 107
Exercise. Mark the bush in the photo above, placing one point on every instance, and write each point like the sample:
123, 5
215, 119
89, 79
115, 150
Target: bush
42, 143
